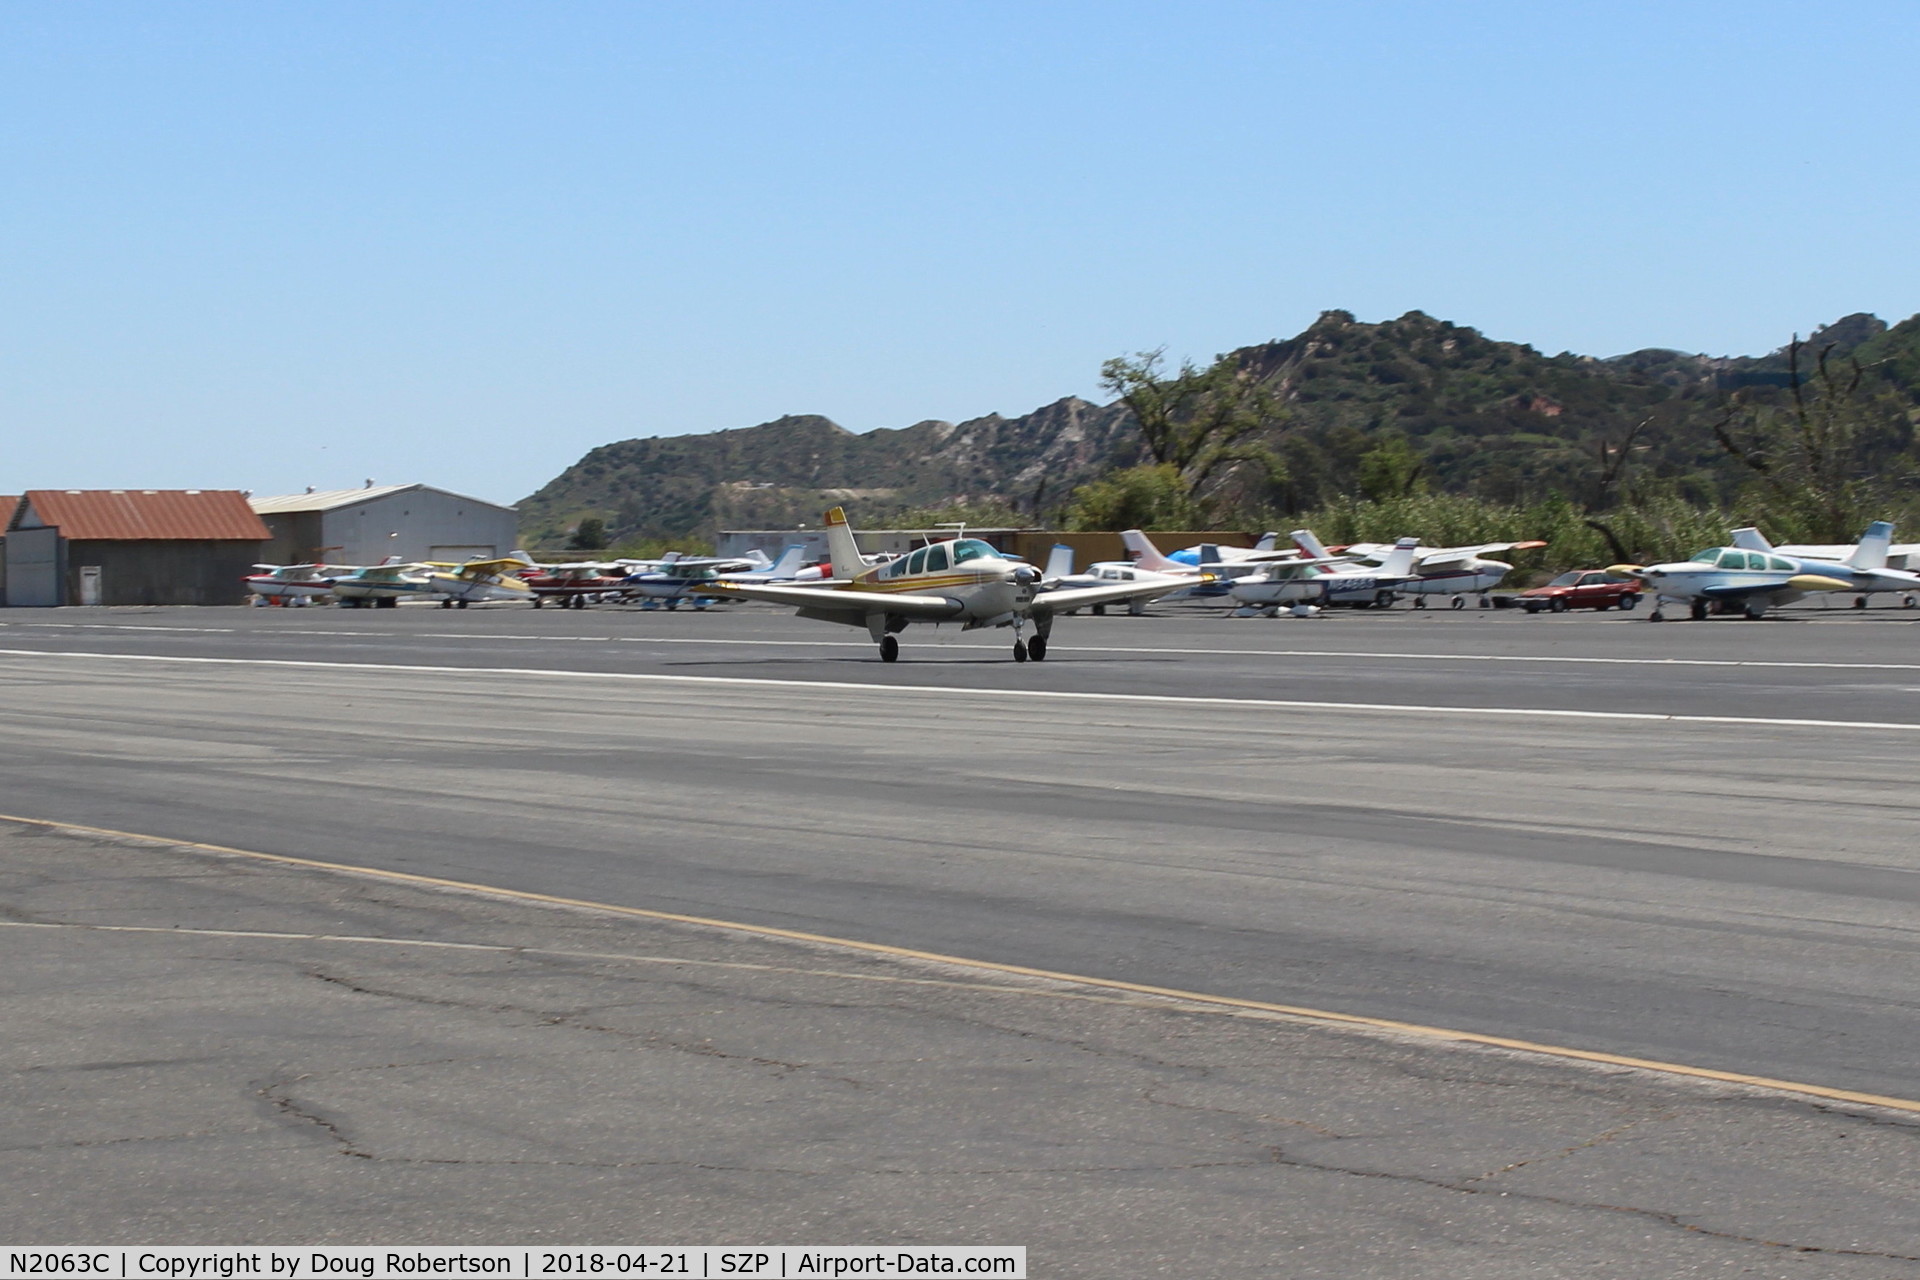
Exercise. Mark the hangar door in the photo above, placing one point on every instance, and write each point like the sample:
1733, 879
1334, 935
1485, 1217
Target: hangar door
33, 568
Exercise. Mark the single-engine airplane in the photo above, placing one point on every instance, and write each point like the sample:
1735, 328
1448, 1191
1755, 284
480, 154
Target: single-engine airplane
292, 583
1438, 571
1754, 580
962, 580
383, 585
481, 580
1864, 565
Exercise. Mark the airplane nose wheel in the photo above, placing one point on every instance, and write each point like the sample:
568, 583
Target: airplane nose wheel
889, 649
1019, 650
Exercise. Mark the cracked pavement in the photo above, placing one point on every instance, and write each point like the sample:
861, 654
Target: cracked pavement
204, 1049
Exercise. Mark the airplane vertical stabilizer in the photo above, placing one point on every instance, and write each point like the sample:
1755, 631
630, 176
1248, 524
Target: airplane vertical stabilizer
1267, 541
1399, 561
842, 550
1751, 539
1147, 556
789, 562
1304, 539
1872, 551
1059, 563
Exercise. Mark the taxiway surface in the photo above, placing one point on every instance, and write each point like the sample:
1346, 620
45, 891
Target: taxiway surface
1736, 891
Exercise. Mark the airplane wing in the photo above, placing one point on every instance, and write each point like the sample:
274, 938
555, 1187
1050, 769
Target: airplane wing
1113, 592
930, 608
1798, 582
1454, 556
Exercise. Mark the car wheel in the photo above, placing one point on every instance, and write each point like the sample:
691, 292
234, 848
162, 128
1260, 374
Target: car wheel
1628, 602
1559, 604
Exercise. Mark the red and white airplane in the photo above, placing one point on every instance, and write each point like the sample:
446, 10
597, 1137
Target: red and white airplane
962, 580
293, 583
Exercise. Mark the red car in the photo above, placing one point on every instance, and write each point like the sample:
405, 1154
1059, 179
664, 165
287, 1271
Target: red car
1582, 589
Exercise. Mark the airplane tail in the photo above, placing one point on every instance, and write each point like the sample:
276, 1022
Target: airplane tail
789, 562
1268, 541
841, 547
1304, 539
1059, 563
1751, 539
1399, 561
1147, 556
521, 556
757, 558
393, 560
1872, 551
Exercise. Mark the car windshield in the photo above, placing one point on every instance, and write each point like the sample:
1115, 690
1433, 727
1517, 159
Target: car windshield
1565, 580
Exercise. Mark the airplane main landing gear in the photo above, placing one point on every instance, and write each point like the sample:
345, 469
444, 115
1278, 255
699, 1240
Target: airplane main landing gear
1037, 648
1459, 602
1420, 602
1859, 602
889, 649
1698, 610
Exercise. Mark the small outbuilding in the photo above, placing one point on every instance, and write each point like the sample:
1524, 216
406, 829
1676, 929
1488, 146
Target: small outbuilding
131, 546
365, 526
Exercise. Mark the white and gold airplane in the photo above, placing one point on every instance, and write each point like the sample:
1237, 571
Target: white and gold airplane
963, 580
481, 580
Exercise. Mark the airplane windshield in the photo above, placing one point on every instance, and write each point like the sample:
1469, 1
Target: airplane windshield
971, 549
1708, 556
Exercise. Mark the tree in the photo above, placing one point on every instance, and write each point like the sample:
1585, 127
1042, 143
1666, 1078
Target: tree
590, 535
1205, 424
1150, 496
1806, 454
1391, 469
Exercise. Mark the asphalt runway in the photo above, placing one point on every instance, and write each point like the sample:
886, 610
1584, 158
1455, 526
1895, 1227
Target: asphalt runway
1157, 803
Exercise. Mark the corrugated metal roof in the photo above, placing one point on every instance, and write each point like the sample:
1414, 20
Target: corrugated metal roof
331, 499
326, 499
132, 515
8, 501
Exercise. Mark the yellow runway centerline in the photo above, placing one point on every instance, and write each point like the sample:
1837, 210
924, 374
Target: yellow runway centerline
1234, 1004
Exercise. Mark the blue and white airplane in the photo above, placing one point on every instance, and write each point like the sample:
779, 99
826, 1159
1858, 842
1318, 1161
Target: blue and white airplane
1754, 580
1864, 564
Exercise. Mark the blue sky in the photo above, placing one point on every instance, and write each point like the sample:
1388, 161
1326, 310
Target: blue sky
269, 245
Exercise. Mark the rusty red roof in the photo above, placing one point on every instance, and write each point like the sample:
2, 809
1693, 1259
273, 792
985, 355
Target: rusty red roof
133, 515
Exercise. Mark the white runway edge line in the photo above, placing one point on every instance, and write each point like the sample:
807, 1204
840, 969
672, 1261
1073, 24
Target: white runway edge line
1058, 647
1061, 695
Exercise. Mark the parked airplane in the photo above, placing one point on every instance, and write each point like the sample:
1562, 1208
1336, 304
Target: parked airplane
1440, 571
1864, 564
1754, 580
963, 580
384, 585
573, 585
292, 583
481, 580
1328, 579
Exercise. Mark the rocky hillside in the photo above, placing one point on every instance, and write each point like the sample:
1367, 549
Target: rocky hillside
1494, 419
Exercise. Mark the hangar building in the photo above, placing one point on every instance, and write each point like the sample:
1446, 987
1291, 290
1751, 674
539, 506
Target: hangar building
365, 526
131, 546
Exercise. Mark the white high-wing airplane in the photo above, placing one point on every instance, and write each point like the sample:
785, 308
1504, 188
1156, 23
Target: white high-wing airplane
384, 585
962, 580
1328, 579
1439, 571
1864, 564
1755, 580
481, 580
293, 583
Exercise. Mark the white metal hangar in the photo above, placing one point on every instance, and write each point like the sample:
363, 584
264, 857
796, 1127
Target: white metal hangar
365, 526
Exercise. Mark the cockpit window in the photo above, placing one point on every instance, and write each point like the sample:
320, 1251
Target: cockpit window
1775, 562
1731, 559
936, 558
971, 549
917, 562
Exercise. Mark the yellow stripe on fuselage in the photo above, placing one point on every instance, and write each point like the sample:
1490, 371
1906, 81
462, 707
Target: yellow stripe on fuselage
926, 582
